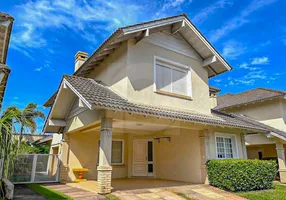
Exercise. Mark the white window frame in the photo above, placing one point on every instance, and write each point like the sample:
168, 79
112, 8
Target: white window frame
231, 136
177, 66
121, 140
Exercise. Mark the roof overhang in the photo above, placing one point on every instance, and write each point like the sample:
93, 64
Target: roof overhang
179, 24
6, 23
272, 134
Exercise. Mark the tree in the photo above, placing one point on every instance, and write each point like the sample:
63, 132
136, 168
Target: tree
6, 140
27, 118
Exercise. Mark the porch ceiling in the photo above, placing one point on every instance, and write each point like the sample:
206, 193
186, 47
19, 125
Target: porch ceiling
140, 126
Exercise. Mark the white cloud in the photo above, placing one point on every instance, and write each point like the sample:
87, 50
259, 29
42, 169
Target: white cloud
260, 61
247, 66
232, 49
254, 61
205, 12
239, 20
168, 5
38, 69
36, 17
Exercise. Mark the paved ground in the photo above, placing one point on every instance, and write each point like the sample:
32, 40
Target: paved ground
75, 193
200, 192
24, 193
85, 191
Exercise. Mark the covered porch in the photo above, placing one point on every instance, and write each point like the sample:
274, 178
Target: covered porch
147, 150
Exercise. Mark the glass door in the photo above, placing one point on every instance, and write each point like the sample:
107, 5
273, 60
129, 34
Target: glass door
150, 158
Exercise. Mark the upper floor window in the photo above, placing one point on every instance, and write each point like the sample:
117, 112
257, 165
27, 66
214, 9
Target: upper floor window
226, 146
172, 78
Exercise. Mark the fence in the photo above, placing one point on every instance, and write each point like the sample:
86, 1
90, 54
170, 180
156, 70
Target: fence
34, 168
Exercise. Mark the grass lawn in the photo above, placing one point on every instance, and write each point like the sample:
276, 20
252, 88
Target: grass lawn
183, 195
278, 193
111, 197
48, 193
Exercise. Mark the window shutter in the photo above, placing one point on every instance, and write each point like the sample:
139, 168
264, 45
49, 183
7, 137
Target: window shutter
163, 78
116, 155
179, 82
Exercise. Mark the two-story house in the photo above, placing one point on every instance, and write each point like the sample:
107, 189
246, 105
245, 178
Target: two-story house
267, 106
141, 106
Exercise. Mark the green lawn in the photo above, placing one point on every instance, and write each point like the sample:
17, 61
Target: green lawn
183, 195
111, 197
48, 193
278, 193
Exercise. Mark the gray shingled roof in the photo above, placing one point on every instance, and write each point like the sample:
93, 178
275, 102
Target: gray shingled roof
259, 94
97, 95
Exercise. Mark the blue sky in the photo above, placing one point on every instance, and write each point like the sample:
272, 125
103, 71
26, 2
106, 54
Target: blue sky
250, 34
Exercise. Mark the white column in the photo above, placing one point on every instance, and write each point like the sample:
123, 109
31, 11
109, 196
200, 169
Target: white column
281, 161
205, 154
104, 168
244, 151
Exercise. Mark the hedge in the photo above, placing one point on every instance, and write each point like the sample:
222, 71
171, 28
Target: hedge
241, 175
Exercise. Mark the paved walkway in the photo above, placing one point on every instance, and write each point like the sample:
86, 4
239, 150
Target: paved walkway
75, 193
22, 192
199, 191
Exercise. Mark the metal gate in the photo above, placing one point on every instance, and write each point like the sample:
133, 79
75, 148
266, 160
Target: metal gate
34, 168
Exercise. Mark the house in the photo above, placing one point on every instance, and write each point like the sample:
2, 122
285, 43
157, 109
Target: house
32, 138
141, 106
6, 23
267, 106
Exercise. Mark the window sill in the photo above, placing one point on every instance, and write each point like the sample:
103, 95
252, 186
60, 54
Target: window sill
173, 94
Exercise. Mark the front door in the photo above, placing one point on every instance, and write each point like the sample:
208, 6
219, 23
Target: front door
142, 157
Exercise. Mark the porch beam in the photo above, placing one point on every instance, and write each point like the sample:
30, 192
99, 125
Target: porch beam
177, 27
144, 34
281, 161
57, 122
209, 60
104, 168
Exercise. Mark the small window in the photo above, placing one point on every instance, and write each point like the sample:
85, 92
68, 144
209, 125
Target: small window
225, 146
172, 78
116, 152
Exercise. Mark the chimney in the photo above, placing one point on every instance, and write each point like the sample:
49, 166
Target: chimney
80, 58
213, 96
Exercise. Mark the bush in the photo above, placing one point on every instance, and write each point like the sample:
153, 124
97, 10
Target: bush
241, 175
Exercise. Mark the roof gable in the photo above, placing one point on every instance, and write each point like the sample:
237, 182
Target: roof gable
244, 98
179, 24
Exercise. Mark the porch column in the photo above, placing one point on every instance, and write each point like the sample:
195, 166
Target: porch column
104, 168
244, 151
281, 161
205, 154
64, 157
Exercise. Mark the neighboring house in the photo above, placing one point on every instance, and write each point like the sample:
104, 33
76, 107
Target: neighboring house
6, 23
141, 106
264, 105
32, 138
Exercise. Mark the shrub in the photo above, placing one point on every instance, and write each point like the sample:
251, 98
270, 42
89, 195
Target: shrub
241, 175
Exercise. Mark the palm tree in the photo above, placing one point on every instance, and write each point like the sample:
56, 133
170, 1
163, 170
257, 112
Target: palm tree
27, 118
6, 140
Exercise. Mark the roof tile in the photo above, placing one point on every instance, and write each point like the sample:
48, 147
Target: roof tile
99, 95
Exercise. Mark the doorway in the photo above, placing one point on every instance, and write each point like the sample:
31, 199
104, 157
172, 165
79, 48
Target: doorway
143, 157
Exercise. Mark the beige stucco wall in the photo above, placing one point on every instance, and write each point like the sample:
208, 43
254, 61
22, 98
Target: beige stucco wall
178, 160
129, 71
271, 112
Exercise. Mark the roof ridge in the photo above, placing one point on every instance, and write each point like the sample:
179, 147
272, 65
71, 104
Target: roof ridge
155, 20
272, 90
